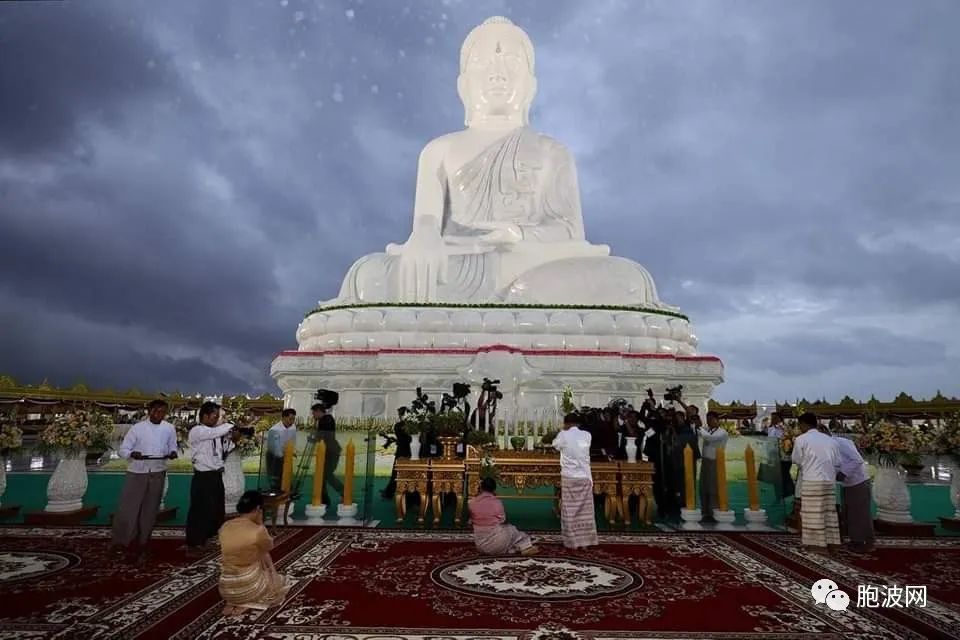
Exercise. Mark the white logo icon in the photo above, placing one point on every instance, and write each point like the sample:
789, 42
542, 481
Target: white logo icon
827, 592
838, 600
821, 588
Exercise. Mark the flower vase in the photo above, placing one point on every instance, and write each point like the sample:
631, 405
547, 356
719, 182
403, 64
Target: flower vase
954, 489
233, 481
448, 447
891, 494
415, 446
3, 478
631, 449
68, 484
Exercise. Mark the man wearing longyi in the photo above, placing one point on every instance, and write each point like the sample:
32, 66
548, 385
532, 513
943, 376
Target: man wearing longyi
147, 446
577, 519
209, 449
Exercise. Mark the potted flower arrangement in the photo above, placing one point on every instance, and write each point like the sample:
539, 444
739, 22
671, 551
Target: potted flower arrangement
484, 440
888, 442
946, 442
11, 439
449, 427
70, 436
417, 419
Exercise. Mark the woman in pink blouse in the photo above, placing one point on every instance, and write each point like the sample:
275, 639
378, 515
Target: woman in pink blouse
492, 534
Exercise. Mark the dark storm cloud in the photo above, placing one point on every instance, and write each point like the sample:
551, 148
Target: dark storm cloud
181, 181
65, 62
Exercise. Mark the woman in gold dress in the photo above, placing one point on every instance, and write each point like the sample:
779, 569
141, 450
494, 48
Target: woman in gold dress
248, 579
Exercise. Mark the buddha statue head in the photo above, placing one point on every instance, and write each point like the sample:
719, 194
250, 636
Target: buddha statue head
497, 83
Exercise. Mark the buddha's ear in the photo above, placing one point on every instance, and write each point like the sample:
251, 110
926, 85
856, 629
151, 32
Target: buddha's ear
532, 94
462, 92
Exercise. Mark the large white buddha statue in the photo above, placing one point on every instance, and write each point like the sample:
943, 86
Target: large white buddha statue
497, 211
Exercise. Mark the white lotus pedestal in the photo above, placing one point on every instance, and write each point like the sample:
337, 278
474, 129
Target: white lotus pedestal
315, 514
65, 491
691, 519
893, 504
725, 520
234, 482
756, 519
6, 511
347, 514
953, 524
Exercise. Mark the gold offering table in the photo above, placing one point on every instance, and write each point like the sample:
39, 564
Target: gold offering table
521, 471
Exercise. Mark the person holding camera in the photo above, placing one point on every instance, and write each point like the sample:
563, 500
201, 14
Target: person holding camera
147, 445
714, 438
209, 447
403, 441
326, 428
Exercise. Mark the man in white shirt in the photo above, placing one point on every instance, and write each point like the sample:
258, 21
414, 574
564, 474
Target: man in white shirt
775, 430
714, 438
147, 446
818, 457
577, 520
208, 449
277, 438
856, 495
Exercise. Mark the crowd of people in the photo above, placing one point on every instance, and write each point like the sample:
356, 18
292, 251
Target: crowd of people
248, 578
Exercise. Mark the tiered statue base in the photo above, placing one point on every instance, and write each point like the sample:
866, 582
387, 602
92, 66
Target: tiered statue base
436, 478
376, 356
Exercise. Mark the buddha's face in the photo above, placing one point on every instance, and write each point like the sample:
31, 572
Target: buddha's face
496, 80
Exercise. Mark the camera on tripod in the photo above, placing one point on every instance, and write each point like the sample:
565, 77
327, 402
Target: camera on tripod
490, 386
673, 394
327, 398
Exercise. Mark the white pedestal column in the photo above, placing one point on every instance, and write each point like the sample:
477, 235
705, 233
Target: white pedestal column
691, 519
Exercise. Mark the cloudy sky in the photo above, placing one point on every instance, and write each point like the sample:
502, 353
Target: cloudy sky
180, 181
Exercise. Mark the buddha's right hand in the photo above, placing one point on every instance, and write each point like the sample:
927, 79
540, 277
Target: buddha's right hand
423, 262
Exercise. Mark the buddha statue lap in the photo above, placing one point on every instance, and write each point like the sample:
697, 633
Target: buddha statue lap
497, 215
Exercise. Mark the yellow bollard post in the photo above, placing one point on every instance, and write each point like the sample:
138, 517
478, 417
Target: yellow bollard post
321, 456
723, 500
689, 490
753, 490
348, 474
286, 477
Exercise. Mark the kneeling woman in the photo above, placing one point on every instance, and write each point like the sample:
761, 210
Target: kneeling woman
490, 531
248, 579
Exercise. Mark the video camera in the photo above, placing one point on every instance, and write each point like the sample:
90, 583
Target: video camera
327, 398
673, 394
247, 432
490, 386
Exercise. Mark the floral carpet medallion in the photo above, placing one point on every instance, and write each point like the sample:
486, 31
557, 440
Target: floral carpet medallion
23, 565
553, 579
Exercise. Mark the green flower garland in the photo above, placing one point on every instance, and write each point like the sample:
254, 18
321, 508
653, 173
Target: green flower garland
458, 305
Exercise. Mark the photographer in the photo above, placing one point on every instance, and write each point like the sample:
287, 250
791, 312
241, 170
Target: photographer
209, 448
326, 428
403, 441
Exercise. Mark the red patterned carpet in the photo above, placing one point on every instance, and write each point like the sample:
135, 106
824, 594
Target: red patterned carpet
405, 585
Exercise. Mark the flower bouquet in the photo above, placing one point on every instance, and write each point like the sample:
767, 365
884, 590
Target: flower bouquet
77, 431
11, 436
791, 431
450, 424
889, 442
236, 412
182, 427
946, 439
566, 400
